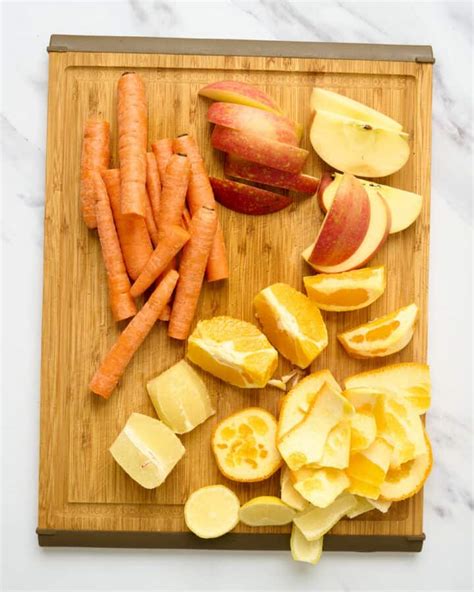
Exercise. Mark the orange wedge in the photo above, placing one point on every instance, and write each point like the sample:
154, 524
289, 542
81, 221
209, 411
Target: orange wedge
292, 322
244, 445
408, 479
233, 350
409, 379
349, 290
383, 336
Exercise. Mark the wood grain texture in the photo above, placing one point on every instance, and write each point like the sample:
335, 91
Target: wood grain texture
81, 487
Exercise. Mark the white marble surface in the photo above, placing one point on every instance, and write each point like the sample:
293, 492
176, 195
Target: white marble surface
446, 562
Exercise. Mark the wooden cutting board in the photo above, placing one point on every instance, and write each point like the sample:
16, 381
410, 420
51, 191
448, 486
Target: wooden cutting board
84, 496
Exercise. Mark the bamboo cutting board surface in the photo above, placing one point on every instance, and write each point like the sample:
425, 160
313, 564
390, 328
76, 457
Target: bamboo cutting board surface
84, 496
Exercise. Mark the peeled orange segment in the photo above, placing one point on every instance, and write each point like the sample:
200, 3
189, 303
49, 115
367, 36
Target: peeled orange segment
321, 486
304, 443
349, 290
212, 511
400, 425
337, 447
363, 430
288, 493
383, 336
233, 350
304, 550
180, 398
409, 379
316, 522
292, 322
363, 505
296, 403
367, 469
147, 450
266, 510
403, 482
244, 445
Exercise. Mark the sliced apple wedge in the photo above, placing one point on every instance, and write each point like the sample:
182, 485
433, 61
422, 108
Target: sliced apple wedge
250, 119
345, 225
247, 199
326, 100
258, 173
375, 237
256, 148
404, 206
233, 91
354, 146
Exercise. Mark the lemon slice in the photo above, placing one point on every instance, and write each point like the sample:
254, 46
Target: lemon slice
303, 550
244, 445
316, 522
266, 510
296, 403
288, 493
212, 511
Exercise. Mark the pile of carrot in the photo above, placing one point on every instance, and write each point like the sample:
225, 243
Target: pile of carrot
156, 220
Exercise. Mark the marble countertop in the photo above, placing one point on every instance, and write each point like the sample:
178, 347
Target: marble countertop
446, 561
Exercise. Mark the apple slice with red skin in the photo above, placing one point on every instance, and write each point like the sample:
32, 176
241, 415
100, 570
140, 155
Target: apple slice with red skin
344, 226
256, 148
249, 119
375, 237
233, 91
247, 199
251, 171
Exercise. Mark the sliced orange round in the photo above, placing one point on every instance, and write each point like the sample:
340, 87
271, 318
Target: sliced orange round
244, 445
349, 290
292, 323
383, 336
233, 350
406, 480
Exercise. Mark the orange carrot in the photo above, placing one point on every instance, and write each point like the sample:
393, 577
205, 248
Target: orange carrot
121, 301
94, 158
173, 194
116, 360
133, 235
191, 270
186, 219
150, 222
163, 151
132, 142
167, 248
153, 184
165, 313
200, 194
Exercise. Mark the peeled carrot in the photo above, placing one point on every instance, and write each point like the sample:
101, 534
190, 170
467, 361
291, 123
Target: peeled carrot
186, 219
167, 248
94, 158
121, 301
153, 184
191, 270
116, 360
132, 232
163, 151
200, 194
165, 313
132, 134
173, 194
150, 222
